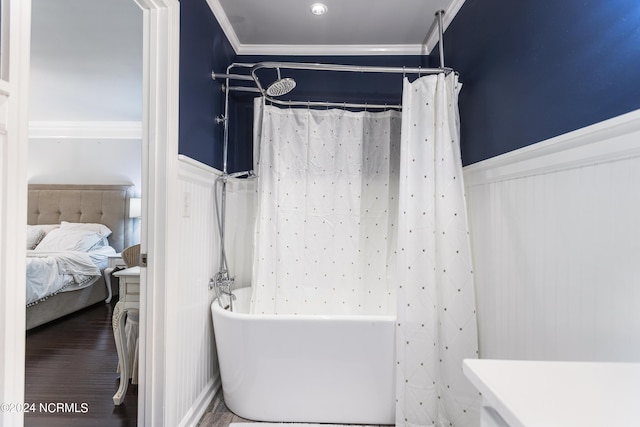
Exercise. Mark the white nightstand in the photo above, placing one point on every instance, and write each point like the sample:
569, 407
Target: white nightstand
128, 306
115, 261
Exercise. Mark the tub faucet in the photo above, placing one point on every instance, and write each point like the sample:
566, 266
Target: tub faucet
222, 284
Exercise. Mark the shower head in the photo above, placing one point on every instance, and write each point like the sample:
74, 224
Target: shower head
282, 86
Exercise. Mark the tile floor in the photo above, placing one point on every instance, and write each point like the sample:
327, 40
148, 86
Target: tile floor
218, 415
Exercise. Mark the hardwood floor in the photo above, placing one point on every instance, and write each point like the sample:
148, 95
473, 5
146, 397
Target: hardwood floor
73, 361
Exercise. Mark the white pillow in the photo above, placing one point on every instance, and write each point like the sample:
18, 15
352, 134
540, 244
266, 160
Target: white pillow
48, 227
62, 239
34, 236
87, 226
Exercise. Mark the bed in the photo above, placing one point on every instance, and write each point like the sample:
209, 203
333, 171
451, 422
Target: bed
80, 207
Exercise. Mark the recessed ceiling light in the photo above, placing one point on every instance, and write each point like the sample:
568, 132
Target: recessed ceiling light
319, 8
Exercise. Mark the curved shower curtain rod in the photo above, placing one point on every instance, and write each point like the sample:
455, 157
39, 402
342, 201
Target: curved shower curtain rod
254, 67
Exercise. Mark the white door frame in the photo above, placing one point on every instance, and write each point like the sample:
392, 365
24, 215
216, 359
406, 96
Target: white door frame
161, 46
14, 81
160, 133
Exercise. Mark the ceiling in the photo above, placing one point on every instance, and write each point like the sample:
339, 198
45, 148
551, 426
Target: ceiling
350, 27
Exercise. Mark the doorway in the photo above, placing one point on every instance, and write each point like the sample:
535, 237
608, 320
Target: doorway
160, 122
85, 127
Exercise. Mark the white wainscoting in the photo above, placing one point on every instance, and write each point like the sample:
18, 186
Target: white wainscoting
556, 245
192, 366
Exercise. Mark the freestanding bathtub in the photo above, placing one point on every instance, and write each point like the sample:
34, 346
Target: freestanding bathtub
315, 369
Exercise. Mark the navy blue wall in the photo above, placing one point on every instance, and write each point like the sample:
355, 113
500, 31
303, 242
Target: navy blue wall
530, 70
203, 48
534, 69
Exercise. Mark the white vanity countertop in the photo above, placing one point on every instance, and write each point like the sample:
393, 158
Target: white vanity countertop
559, 394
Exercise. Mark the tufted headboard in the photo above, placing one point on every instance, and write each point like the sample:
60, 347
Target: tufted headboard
103, 204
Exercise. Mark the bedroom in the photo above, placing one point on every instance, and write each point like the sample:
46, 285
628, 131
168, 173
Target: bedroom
85, 128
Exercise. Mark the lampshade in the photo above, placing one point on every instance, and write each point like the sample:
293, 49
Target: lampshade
135, 207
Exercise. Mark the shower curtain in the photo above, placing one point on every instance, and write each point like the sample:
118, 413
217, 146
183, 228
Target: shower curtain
352, 218
436, 321
327, 204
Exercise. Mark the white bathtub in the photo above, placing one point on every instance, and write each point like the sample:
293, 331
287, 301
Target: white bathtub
320, 369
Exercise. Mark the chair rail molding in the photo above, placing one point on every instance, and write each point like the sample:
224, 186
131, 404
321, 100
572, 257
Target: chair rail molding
606, 141
85, 130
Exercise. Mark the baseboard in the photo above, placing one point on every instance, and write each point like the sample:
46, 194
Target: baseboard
201, 404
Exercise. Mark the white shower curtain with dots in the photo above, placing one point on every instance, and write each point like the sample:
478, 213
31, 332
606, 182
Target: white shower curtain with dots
327, 204
436, 320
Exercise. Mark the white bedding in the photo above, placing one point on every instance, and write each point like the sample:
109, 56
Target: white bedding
50, 272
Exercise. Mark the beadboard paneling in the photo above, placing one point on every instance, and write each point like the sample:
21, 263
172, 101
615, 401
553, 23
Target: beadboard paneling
556, 244
192, 363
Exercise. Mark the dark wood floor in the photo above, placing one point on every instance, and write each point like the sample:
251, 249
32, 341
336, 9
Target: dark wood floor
73, 361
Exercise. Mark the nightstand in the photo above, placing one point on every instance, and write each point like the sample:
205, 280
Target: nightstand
127, 308
115, 261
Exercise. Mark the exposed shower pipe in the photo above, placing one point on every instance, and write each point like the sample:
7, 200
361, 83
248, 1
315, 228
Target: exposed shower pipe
321, 67
222, 281
338, 67
318, 67
347, 68
228, 76
325, 67
244, 89
223, 274
328, 67
440, 15
225, 136
216, 76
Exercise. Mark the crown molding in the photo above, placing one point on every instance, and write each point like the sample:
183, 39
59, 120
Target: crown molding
85, 130
330, 50
225, 24
239, 48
